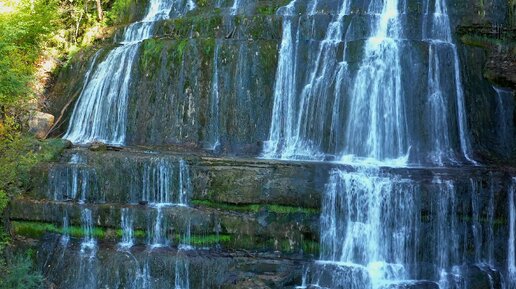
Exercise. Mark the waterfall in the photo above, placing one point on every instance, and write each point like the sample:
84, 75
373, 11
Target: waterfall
157, 181
87, 275
100, 113
446, 243
127, 229
89, 243
65, 238
367, 224
185, 183
377, 125
164, 189
157, 230
358, 112
234, 9
504, 112
373, 225
281, 135
437, 32
74, 182
163, 182
511, 251
182, 280
213, 127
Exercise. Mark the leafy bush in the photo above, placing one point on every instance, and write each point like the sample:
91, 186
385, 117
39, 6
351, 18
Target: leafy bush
19, 274
19, 156
21, 34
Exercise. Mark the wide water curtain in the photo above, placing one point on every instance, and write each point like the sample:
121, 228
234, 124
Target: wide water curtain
100, 113
347, 95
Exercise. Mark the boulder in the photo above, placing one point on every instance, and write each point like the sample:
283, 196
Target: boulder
40, 123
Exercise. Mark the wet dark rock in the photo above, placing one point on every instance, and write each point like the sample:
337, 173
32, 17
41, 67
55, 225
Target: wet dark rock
97, 146
413, 285
339, 276
481, 276
204, 269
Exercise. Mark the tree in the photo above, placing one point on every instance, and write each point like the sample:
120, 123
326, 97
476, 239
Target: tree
100, 14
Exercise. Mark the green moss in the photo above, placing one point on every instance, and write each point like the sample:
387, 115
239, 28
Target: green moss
269, 57
254, 208
202, 3
290, 210
151, 54
203, 240
486, 42
38, 229
139, 234
181, 47
208, 46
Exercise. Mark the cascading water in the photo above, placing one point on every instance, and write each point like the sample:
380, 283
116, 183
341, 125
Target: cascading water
100, 113
182, 279
157, 229
65, 238
89, 242
359, 112
374, 226
157, 182
235, 7
164, 182
437, 32
367, 224
505, 112
73, 182
213, 127
377, 124
87, 276
165, 192
127, 229
281, 135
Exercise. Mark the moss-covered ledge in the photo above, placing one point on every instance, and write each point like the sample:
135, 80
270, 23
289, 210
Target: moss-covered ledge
37, 230
292, 232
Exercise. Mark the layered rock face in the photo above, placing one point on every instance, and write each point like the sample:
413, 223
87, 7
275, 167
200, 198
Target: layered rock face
208, 77
304, 144
216, 213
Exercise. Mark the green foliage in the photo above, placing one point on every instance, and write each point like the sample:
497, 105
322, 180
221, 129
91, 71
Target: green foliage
21, 35
51, 27
18, 156
119, 10
19, 274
